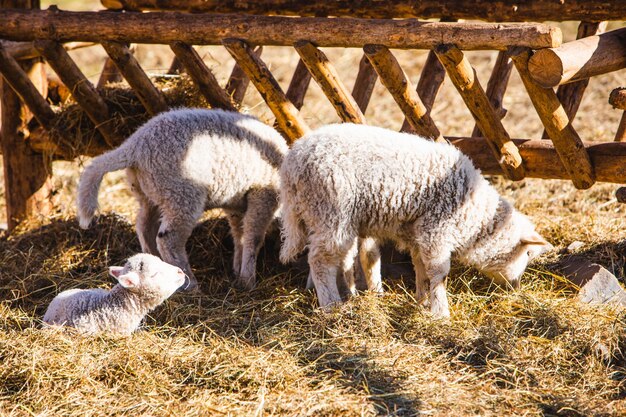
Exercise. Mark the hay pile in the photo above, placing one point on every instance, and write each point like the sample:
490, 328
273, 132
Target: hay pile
268, 352
76, 134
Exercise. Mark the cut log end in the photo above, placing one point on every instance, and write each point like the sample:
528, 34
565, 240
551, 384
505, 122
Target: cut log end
546, 68
617, 99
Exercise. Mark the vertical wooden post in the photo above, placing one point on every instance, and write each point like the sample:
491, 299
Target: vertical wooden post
26, 174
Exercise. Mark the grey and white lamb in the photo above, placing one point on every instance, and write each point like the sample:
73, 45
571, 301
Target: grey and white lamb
346, 181
145, 281
184, 161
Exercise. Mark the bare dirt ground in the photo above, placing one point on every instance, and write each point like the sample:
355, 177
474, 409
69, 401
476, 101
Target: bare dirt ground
535, 351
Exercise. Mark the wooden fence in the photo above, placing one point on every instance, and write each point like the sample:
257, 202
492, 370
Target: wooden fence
534, 49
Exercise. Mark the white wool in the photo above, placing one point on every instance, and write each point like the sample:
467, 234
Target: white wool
145, 282
184, 161
346, 181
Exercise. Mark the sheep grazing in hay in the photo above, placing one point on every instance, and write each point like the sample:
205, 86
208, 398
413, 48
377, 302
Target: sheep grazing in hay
347, 181
185, 161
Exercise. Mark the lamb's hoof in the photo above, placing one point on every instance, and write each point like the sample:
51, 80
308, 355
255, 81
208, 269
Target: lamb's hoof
244, 284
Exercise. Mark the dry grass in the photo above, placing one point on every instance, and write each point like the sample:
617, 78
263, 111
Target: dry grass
268, 352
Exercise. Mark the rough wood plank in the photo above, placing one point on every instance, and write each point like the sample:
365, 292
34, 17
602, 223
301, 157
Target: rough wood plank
17, 78
617, 99
80, 87
238, 81
204, 29
299, 85
570, 95
495, 11
555, 120
463, 76
287, 116
395, 80
202, 76
148, 94
324, 73
364, 83
496, 86
579, 59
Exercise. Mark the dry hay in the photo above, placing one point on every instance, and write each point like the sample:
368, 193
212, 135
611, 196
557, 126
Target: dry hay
76, 134
269, 352
535, 352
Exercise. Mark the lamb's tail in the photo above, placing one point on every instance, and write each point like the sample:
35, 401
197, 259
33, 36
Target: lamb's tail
293, 231
91, 179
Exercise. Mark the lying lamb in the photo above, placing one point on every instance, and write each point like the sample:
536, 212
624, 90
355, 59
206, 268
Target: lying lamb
145, 281
185, 161
347, 181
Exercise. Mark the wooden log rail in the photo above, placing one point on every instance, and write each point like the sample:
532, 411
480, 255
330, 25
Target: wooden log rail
464, 78
395, 80
327, 77
554, 118
495, 11
165, 28
579, 59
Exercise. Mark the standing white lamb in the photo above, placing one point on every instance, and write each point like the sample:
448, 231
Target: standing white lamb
145, 281
347, 181
184, 161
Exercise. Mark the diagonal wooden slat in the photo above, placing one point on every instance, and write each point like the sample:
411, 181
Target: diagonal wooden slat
463, 76
566, 141
176, 67
324, 73
80, 87
570, 95
364, 83
428, 86
496, 86
238, 81
617, 99
394, 79
299, 85
202, 76
23, 86
287, 116
151, 98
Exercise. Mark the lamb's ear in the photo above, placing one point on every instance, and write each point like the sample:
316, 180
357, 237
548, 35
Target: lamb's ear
534, 238
115, 271
129, 279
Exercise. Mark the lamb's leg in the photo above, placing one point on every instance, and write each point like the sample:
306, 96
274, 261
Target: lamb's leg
437, 270
369, 255
325, 270
171, 238
421, 278
148, 218
262, 204
347, 273
148, 222
235, 220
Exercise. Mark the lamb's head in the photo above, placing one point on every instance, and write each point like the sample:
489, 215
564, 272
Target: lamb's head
149, 276
510, 248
